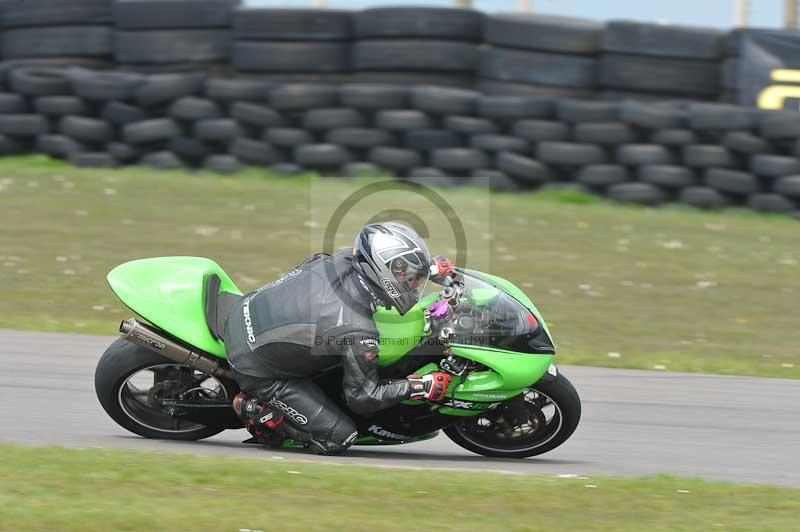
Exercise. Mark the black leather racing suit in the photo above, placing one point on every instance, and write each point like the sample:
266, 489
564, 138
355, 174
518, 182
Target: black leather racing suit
315, 317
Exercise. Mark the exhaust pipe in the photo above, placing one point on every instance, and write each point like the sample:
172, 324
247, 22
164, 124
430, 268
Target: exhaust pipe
143, 335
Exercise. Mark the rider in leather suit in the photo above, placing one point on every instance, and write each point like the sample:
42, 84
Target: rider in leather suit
315, 317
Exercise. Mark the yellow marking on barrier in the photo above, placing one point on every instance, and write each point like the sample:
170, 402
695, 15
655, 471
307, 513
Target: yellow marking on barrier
786, 75
774, 96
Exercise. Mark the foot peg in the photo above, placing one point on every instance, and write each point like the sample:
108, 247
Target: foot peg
255, 441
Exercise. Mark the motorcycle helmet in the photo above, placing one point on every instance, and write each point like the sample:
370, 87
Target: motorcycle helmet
395, 262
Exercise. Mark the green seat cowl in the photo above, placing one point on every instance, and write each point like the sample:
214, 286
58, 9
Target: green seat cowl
170, 293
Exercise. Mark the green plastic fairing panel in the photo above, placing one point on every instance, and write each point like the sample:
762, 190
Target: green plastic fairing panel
400, 334
169, 292
511, 374
511, 371
372, 440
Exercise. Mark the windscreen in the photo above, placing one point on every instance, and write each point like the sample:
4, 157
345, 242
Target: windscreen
487, 316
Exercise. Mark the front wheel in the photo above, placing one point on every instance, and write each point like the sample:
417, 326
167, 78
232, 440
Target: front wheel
131, 381
546, 416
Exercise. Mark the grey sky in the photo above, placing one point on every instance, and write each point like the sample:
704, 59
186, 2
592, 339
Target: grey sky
718, 13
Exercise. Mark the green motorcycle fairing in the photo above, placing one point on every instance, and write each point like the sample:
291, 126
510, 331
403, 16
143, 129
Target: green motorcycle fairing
169, 292
508, 372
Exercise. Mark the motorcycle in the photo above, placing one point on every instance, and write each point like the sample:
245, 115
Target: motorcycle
167, 377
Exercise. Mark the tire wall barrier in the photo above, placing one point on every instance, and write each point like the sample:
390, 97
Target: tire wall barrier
494, 53
432, 95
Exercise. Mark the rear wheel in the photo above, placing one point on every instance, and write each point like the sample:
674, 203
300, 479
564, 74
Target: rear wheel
541, 419
131, 382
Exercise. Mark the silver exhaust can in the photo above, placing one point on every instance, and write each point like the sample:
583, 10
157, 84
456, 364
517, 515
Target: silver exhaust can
145, 336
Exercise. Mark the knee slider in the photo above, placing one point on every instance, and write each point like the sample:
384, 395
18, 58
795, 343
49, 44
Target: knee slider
341, 436
332, 447
344, 433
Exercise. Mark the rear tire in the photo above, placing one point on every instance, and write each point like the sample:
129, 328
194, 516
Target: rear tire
558, 428
121, 361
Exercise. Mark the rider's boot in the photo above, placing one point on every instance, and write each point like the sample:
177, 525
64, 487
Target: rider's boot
266, 425
261, 420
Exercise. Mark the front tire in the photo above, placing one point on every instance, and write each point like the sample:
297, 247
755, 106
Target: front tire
122, 387
554, 412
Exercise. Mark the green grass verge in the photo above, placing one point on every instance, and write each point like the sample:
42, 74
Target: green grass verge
673, 289
49, 488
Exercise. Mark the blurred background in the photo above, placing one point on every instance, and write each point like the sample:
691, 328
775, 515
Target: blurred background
714, 13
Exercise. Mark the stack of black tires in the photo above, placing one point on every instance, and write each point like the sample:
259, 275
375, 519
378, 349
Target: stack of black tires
654, 61
172, 35
539, 55
49, 32
427, 139
701, 154
292, 44
510, 53
415, 45
392, 90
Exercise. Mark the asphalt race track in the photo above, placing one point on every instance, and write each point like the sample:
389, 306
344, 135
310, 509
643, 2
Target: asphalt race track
634, 422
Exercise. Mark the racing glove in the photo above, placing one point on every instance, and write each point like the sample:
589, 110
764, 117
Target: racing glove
430, 387
441, 267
